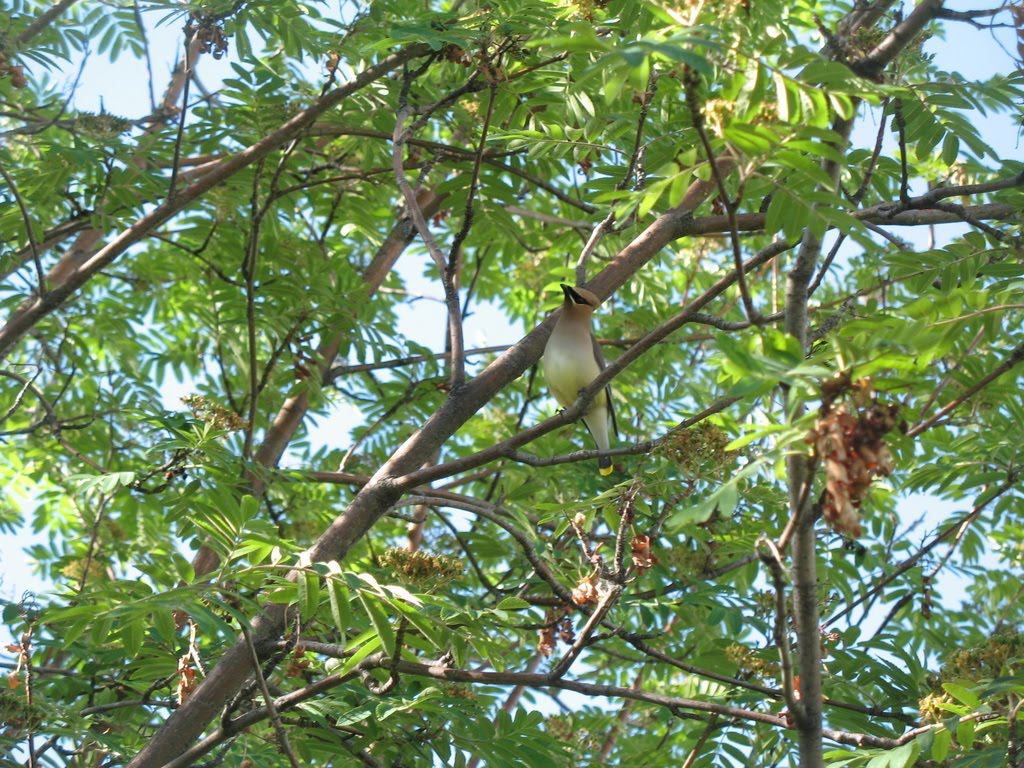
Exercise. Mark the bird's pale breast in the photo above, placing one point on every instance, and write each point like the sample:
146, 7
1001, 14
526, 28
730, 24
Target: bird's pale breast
569, 366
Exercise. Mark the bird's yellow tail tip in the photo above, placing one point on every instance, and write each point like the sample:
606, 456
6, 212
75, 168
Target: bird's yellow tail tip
605, 471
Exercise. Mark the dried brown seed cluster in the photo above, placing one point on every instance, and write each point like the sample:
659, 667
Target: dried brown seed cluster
457, 55
557, 626
851, 445
186, 678
643, 558
586, 591
16, 73
297, 664
210, 34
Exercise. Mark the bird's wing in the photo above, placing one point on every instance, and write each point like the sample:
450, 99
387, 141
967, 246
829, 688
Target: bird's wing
601, 364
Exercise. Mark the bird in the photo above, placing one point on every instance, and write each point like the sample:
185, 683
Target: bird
572, 360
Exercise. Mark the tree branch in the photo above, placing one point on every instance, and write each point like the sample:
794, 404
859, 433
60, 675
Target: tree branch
447, 274
42, 21
1015, 357
272, 713
798, 477
36, 309
872, 64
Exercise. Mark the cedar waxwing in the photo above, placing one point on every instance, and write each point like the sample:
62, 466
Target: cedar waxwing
572, 359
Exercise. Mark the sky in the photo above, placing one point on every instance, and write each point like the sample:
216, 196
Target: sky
124, 90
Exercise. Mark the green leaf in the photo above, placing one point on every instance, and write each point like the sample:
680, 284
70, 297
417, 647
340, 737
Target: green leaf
340, 611
962, 694
379, 619
940, 744
356, 715
369, 645
513, 604
965, 733
904, 756
950, 148
132, 635
308, 584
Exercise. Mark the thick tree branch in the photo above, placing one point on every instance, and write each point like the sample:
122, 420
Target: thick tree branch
807, 713
872, 64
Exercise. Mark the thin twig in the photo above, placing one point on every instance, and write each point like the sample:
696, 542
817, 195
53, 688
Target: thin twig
94, 535
29, 233
1014, 358
609, 594
590, 245
901, 128
547, 218
450, 275
50, 419
268, 701
771, 556
827, 263
691, 83
25, 650
671, 702
406, 398
869, 172
455, 331
249, 273
137, 15
606, 224
879, 584
698, 748
187, 64
948, 378
1014, 745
